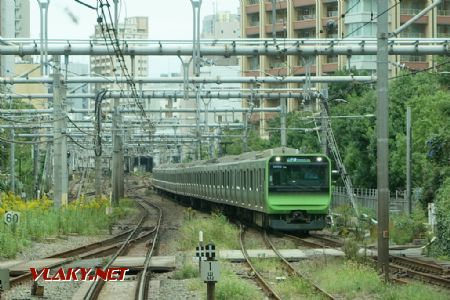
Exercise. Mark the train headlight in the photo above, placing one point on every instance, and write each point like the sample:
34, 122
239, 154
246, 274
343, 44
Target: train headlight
319, 159
278, 159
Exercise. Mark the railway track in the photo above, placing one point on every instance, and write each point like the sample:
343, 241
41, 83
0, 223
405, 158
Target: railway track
294, 271
138, 243
427, 272
268, 289
97, 249
402, 267
141, 238
290, 271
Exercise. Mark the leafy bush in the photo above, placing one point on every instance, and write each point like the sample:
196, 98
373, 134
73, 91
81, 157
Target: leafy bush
442, 245
351, 248
403, 228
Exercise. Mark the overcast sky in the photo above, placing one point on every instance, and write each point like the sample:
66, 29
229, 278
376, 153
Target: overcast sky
168, 19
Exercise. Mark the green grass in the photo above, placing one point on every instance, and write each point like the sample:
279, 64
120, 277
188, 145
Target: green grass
230, 286
291, 287
352, 280
39, 224
188, 270
216, 229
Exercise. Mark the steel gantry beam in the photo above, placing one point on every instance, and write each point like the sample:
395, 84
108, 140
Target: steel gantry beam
305, 47
193, 80
108, 125
133, 110
165, 95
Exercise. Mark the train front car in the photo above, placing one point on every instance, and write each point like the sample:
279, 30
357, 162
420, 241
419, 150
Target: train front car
298, 191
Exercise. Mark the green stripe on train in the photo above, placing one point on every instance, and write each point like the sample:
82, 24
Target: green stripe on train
311, 203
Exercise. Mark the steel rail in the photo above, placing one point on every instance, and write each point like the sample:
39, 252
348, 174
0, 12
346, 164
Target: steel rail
425, 277
310, 243
143, 279
417, 265
95, 287
77, 253
295, 271
265, 285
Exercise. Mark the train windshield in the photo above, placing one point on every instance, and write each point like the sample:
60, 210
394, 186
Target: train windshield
285, 177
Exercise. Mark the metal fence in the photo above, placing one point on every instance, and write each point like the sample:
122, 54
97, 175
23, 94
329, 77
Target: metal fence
367, 198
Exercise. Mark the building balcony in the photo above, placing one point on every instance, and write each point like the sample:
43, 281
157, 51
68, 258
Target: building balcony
304, 24
416, 65
252, 73
329, 67
298, 3
300, 70
251, 30
443, 20
252, 8
281, 4
277, 71
278, 27
306, 17
404, 18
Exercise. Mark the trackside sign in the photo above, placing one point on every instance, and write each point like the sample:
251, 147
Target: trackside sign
80, 274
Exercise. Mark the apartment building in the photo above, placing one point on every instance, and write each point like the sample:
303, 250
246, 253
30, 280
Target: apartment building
132, 28
14, 23
309, 19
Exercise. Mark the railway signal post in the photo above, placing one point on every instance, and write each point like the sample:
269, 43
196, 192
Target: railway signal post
209, 268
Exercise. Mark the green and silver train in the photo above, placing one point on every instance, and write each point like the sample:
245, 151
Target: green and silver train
277, 188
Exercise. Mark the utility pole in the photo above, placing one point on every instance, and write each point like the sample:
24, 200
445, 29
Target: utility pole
283, 122
116, 160
98, 145
408, 159
60, 174
196, 5
12, 162
36, 167
245, 146
383, 139
115, 156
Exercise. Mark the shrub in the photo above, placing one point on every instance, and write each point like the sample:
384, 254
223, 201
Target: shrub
442, 245
403, 228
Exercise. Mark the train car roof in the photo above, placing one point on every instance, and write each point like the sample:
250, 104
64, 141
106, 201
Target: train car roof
247, 156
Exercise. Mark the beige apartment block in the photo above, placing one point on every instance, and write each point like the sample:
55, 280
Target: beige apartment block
315, 19
30, 70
